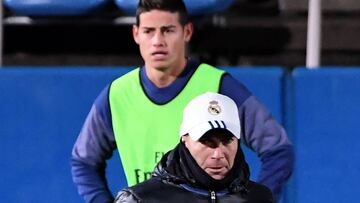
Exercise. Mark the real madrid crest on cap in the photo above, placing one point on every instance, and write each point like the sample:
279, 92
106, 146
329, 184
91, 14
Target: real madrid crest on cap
210, 111
214, 108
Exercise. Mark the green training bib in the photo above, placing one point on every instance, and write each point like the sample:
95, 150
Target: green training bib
144, 131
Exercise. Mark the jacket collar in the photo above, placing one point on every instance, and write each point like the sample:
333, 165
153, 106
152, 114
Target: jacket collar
169, 170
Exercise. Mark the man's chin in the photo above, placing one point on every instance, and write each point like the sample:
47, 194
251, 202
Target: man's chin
217, 176
160, 65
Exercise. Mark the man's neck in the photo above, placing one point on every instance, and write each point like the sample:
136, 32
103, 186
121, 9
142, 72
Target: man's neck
164, 77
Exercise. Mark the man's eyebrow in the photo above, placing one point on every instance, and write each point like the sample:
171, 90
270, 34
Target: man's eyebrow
162, 27
168, 27
147, 28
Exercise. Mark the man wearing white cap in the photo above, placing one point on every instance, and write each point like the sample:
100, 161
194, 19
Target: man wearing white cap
207, 165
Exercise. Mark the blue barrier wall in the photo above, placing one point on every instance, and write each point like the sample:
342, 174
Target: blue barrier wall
42, 111
41, 114
326, 109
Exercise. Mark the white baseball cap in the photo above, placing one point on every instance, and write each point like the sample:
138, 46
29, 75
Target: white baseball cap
210, 111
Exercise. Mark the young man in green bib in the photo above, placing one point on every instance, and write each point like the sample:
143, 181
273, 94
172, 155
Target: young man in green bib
140, 112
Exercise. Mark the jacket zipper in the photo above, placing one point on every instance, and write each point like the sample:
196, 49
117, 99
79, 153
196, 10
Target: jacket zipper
213, 196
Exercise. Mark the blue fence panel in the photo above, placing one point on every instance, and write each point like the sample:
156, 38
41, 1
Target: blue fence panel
41, 114
325, 126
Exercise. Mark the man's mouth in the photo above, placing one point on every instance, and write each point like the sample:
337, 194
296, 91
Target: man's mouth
159, 55
159, 52
217, 169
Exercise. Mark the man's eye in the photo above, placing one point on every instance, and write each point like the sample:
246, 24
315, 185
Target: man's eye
147, 31
227, 141
209, 143
212, 144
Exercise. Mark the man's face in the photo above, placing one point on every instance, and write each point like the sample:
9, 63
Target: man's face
162, 39
214, 152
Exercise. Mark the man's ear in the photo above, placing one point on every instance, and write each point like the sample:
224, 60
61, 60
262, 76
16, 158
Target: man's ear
188, 31
135, 31
184, 137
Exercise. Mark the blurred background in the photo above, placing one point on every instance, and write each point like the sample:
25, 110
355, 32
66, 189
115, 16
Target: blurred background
300, 58
237, 32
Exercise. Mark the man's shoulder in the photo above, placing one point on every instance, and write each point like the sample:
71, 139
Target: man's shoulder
128, 79
259, 192
130, 74
208, 67
152, 190
137, 192
153, 183
126, 195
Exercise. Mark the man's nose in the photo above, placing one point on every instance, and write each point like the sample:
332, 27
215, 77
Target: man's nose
218, 153
158, 39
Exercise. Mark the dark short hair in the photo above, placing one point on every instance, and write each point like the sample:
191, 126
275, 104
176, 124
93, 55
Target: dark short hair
172, 6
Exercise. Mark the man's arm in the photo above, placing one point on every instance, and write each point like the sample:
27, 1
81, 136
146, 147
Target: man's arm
92, 148
264, 135
268, 139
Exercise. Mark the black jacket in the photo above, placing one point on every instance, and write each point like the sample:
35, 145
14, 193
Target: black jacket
177, 186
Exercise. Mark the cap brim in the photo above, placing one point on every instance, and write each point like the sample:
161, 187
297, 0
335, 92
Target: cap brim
197, 132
